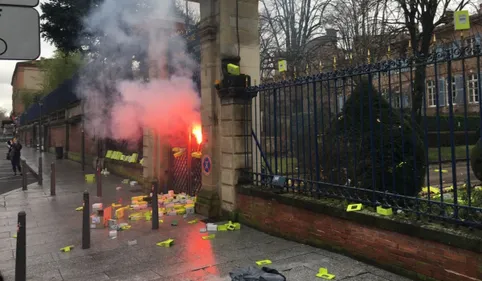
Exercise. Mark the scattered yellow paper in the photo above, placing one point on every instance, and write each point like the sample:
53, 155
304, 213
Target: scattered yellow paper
67, 248
209, 237
81, 208
384, 211
14, 236
354, 207
443, 171
166, 243
125, 227
192, 222
263, 262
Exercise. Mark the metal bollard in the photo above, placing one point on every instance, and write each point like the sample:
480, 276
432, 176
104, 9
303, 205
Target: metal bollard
155, 206
24, 175
98, 179
86, 222
21, 255
40, 171
52, 179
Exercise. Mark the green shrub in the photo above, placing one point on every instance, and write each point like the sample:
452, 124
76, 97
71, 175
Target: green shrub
348, 153
476, 159
473, 123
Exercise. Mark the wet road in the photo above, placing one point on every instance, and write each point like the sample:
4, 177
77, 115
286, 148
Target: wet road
8, 181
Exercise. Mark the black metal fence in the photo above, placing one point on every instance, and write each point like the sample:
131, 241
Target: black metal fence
400, 133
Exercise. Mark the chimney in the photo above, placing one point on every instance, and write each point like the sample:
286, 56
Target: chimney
330, 32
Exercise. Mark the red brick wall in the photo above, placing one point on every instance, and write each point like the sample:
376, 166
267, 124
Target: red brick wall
57, 136
432, 259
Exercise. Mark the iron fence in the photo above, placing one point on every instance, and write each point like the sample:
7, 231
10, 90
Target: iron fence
401, 133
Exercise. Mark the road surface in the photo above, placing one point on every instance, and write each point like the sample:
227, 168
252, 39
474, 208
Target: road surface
8, 181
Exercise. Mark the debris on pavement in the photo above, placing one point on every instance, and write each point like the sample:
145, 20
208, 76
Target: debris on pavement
263, 262
323, 273
253, 273
67, 248
81, 208
90, 178
209, 237
167, 243
131, 242
113, 234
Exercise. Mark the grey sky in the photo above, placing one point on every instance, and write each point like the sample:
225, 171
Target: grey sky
6, 71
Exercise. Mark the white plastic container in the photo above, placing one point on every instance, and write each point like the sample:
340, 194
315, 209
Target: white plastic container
96, 207
211, 227
113, 234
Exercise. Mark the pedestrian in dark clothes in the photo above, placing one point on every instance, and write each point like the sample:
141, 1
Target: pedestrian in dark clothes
15, 149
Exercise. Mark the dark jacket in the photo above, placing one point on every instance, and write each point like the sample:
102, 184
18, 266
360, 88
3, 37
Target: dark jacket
15, 150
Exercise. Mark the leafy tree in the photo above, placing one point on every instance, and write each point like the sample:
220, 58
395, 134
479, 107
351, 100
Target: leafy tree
58, 69
3, 114
62, 23
370, 145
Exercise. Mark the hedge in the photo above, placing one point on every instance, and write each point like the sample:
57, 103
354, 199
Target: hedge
459, 139
473, 123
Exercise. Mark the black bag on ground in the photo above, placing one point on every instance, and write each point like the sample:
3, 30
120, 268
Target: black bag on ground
253, 273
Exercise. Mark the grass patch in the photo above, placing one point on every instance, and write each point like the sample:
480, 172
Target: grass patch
446, 153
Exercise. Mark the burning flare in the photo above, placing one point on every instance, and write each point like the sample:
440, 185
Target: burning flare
198, 133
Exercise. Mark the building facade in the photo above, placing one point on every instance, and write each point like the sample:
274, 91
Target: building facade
26, 80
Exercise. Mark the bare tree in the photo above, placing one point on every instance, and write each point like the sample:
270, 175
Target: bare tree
286, 28
363, 26
421, 17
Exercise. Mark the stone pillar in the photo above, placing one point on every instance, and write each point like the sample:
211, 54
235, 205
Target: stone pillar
219, 31
235, 137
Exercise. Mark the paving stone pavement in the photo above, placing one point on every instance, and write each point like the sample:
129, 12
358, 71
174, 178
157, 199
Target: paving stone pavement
53, 223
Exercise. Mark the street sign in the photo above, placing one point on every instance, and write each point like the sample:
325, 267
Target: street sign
22, 3
19, 33
207, 166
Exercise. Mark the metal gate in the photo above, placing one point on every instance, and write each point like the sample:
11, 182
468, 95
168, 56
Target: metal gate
185, 170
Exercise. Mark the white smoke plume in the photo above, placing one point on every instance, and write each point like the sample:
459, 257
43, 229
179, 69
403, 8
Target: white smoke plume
115, 104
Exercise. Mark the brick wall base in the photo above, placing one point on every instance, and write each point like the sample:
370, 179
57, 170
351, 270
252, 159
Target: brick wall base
403, 254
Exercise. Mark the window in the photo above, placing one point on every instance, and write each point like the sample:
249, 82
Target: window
473, 88
431, 93
396, 101
470, 46
454, 90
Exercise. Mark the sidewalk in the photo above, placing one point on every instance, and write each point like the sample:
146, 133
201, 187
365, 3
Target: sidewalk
53, 223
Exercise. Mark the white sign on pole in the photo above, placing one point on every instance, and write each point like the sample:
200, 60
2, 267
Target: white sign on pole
19, 33
23, 3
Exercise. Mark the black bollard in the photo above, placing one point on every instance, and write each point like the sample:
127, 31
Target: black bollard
86, 222
155, 206
21, 255
52, 179
24, 175
98, 179
40, 171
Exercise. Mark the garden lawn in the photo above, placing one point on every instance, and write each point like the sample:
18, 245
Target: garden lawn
446, 153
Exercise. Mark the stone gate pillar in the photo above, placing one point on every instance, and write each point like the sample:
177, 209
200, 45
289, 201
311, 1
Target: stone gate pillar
221, 23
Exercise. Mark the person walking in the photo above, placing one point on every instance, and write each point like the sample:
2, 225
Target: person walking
15, 149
